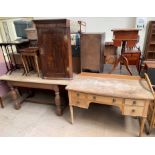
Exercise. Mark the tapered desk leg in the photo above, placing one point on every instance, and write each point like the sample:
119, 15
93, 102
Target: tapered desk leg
71, 112
142, 123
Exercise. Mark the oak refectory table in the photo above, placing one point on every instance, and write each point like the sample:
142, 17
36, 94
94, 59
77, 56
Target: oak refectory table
17, 80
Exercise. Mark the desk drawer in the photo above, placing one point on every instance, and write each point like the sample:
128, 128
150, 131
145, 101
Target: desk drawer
102, 99
79, 103
134, 102
133, 110
77, 95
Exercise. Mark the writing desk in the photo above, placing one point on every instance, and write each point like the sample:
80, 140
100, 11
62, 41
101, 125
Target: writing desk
130, 94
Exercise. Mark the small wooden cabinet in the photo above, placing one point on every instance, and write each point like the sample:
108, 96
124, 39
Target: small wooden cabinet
150, 42
92, 48
55, 48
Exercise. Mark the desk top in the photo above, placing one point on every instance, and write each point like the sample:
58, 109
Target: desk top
122, 86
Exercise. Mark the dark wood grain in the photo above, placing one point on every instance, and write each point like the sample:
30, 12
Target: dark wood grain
55, 48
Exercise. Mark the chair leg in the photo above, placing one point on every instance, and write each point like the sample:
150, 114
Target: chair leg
1, 102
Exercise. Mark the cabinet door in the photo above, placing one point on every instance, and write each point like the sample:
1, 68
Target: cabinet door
55, 50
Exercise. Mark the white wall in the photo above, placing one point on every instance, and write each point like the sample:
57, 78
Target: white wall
106, 24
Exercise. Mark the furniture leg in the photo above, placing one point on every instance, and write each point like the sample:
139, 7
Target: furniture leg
147, 128
5, 59
36, 64
17, 104
71, 113
26, 60
1, 102
125, 62
24, 65
58, 103
115, 64
142, 123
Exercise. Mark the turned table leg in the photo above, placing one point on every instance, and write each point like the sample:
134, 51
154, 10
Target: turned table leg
58, 103
17, 104
71, 113
142, 123
1, 103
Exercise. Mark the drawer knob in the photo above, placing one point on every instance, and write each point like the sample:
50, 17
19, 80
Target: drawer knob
133, 110
114, 100
78, 102
134, 102
78, 94
94, 97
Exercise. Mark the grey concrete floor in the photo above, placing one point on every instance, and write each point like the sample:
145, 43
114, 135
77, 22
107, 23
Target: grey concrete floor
39, 120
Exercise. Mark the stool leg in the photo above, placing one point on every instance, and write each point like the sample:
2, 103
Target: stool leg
24, 65
1, 102
36, 64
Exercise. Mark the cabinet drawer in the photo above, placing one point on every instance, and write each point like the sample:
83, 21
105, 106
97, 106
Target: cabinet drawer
133, 110
101, 99
134, 102
78, 95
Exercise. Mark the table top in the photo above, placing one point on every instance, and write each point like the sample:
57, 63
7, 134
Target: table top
31, 78
121, 86
125, 30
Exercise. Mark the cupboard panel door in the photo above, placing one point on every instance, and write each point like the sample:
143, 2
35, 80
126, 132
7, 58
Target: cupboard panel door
55, 50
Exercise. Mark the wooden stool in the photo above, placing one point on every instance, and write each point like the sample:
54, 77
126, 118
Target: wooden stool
29, 58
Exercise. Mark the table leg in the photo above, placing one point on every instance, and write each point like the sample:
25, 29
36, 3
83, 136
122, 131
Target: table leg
58, 103
71, 112
142, 123
17, 104
1, 102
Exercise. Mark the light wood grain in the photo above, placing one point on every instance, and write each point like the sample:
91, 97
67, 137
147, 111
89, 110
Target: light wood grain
112, 87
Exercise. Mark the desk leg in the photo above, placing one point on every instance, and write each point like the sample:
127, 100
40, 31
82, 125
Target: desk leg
15, 98
71, 112
142, 123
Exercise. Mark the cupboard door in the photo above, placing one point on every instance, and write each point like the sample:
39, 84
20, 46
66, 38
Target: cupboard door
55, 50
